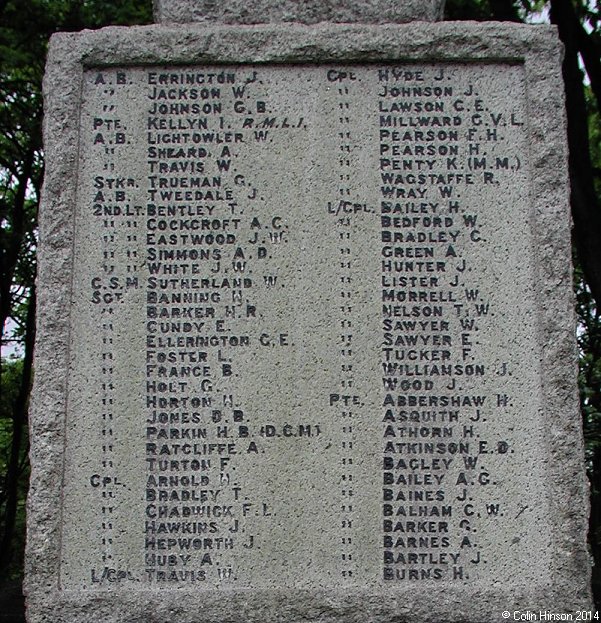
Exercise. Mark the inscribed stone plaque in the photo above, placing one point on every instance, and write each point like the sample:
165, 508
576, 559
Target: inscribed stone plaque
316, 316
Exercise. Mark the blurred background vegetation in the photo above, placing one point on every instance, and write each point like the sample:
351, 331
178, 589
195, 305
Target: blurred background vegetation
25, 27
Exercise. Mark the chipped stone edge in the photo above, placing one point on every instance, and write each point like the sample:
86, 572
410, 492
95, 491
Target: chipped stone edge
567, 588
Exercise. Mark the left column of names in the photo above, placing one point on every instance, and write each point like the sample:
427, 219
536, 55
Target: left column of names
106, 274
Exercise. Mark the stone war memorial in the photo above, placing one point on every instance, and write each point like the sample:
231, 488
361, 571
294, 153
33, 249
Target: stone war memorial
306, 345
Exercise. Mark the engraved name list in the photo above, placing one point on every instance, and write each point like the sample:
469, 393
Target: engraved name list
297, 290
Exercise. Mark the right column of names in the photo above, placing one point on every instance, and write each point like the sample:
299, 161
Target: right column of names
451, 187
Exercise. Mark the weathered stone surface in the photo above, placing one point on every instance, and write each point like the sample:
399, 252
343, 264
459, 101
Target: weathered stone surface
313, 152
299, 11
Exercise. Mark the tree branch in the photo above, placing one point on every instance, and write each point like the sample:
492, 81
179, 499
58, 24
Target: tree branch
585, 209
13, 245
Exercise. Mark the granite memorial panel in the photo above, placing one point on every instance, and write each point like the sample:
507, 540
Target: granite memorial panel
305, 343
